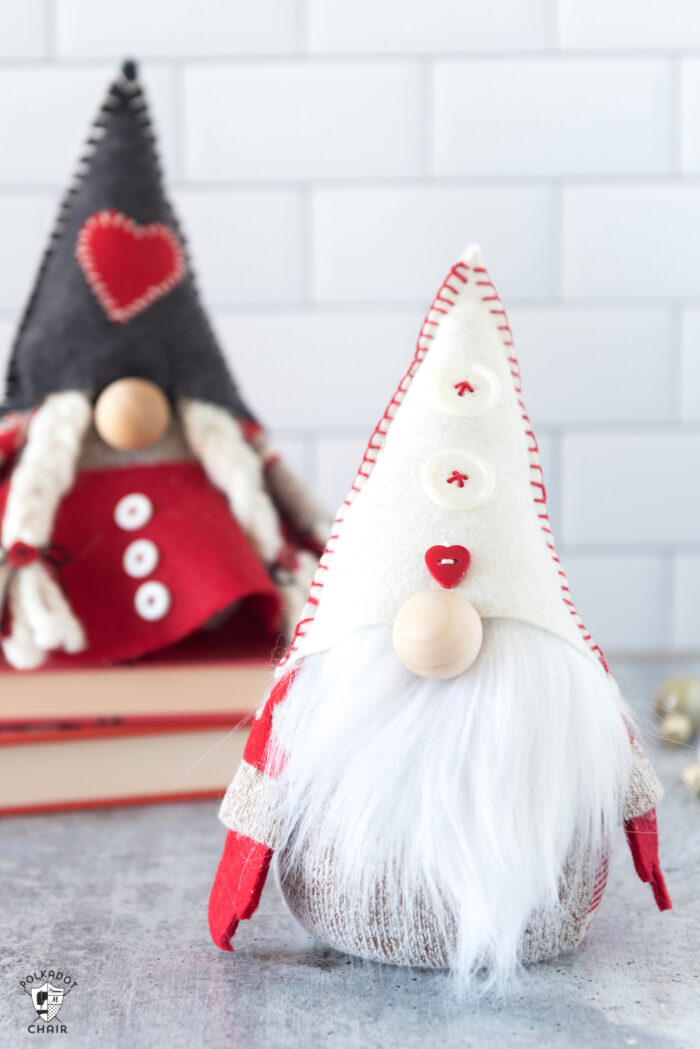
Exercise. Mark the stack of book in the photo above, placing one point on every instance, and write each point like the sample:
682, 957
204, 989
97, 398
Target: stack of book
157, 730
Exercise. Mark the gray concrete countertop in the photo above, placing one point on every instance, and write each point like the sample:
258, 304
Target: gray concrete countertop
117, 898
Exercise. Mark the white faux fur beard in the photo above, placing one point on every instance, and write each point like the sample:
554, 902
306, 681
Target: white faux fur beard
473, 792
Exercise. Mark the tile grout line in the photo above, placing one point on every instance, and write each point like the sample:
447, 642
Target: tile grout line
427, 119
670, 597
179, 129
301, 29
557, 192
359, 57
676, 117
375, 183
306, 274
677, 361
50, 31
554, 27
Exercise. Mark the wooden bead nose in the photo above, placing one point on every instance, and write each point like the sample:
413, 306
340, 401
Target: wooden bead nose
437, 634
131, 414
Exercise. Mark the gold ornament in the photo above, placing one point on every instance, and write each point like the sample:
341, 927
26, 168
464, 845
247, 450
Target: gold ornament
678, 707
691, 778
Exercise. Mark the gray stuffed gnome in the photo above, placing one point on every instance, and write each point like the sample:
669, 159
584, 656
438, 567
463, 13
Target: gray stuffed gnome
142, 503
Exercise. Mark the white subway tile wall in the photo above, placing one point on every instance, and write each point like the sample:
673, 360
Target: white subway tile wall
628, 25
387, 244
25, 221
331, 160
690, 372
690, 115
277, 121
686, 617
552, 116
44, 118
23, 30
425, 27
246, 245
163, 29
638, 240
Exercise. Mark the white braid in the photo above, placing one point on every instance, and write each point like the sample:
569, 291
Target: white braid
233, 466
20, 648
291, 496
41, 618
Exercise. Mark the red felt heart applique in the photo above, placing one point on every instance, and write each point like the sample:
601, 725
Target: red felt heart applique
128, 266
448, 564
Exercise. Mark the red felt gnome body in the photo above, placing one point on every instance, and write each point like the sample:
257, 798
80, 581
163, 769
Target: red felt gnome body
444, 760
142, 503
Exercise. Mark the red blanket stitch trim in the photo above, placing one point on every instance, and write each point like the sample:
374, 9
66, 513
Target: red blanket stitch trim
539, 494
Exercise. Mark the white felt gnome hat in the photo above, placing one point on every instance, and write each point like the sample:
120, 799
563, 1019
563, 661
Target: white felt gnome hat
453, 462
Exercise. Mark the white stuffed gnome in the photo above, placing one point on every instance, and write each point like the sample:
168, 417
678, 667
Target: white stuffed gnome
142, 504
444, 760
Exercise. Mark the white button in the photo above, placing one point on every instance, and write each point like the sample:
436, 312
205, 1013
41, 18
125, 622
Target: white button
133, 511
140, 558
468, 389
457, 479
152, 600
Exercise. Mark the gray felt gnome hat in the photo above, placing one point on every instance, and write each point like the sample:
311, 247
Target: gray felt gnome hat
115, 295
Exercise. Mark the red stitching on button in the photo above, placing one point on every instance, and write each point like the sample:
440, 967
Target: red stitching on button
463, 387
458, 478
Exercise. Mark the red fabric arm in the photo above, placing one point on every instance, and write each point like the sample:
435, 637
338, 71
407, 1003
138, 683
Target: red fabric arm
242, 870
255, 752
643, 839
238, 885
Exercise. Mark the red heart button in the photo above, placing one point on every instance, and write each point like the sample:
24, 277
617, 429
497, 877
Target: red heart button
448, 564
128, 266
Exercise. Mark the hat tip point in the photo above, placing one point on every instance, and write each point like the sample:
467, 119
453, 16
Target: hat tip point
472, 255
129, 69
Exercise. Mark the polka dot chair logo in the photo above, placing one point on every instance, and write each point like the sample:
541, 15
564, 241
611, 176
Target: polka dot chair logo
47, 989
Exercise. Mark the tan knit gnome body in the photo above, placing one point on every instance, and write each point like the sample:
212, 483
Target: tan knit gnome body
444, 759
